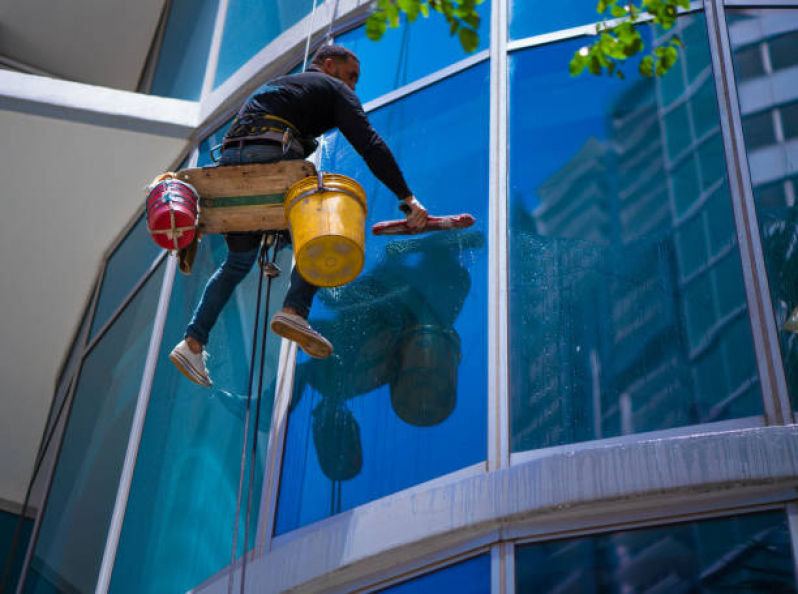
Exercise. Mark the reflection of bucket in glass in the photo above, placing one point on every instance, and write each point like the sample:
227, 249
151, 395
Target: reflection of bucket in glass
327, 217
336, 436
424, 390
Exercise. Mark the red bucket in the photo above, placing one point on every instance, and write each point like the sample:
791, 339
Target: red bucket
172, 214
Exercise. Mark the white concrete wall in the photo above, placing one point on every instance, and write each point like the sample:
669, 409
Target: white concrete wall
67, 188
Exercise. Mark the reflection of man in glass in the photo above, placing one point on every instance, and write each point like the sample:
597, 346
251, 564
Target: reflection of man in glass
281, 121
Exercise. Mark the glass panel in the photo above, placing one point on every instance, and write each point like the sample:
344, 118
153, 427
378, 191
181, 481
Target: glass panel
410, 52
467, 577
75, 523
403, 399
8, 527
124, 269
747, 554
625, 277
528, 19
251, 25
185, 49
187, 471
773, 158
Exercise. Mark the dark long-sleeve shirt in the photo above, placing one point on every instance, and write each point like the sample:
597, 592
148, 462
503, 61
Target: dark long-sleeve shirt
316, 103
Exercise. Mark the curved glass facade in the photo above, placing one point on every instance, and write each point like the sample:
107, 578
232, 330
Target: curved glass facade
589, 390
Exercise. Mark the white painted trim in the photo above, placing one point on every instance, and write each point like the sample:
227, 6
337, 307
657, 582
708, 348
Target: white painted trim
634, 438
675, 511
136, 429
652, 479
216, 46
79, 102
498, 417
761, 4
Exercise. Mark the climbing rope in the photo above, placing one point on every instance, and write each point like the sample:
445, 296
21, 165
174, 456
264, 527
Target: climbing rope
267, 269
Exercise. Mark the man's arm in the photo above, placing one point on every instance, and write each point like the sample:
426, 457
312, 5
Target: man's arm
356, 128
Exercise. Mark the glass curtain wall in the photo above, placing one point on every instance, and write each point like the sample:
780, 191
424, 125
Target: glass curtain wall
467, 577
627, 305
764, 43
749, 554
402, 399
74, 525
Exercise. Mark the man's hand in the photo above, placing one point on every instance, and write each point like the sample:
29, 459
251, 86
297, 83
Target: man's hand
415, 211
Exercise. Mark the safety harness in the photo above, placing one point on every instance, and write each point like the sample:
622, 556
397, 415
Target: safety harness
260, 127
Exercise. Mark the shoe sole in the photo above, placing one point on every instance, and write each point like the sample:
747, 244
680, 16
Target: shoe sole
188, 370
309, 343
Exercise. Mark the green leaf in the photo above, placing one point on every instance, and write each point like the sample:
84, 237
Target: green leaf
593, 65
469, 39
424, 8
376, 26
620, 74
617, 11
646, 66
392, 12
453, 26
472, 20
676, 41
383, 4
577, 65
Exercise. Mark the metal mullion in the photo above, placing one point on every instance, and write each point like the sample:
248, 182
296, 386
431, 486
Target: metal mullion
125, 302
276, 446
765, 335
213, 53
502, 568
763, 4
588, 30
136, 430
70, 400
670, 517
498, 454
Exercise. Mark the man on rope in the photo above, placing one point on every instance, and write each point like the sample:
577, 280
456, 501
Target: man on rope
281, 121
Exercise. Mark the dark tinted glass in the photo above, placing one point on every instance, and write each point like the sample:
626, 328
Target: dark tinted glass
774, 163
8, 528
627, 305
746, 554
403, 398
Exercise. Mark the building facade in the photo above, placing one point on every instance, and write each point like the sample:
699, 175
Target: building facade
591, 390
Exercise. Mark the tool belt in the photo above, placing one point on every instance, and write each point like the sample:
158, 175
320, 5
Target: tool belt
267, 129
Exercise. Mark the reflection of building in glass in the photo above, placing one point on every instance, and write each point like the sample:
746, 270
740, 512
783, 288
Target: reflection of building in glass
637, 235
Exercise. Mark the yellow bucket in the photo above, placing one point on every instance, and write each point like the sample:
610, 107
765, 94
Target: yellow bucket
327, 218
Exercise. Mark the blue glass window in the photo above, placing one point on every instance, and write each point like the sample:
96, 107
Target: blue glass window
749, 554
210, 143
468, 577
185, 49
528, 18
403, 398
125, 267
250, 26
410, 52
769, 127
185, 485
76, 519
627, 306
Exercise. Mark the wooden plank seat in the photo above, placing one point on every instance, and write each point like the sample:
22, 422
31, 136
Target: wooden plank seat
244, 197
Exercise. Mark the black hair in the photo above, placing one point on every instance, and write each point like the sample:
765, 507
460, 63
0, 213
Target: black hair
336, 52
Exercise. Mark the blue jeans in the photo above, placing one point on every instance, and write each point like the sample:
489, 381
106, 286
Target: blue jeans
242, 252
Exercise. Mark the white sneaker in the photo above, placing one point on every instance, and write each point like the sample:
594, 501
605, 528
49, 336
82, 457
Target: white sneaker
191, 364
